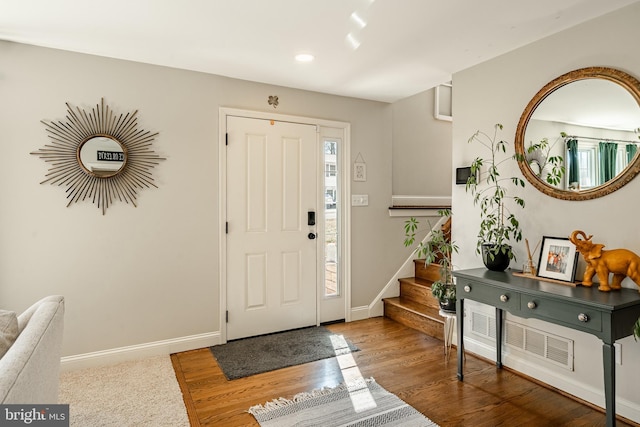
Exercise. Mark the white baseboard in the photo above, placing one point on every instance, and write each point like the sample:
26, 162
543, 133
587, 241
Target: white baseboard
139, 351
392, 288
359, 313
593, 395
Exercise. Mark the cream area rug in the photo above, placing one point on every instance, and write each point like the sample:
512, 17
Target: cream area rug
358, 403
137, 393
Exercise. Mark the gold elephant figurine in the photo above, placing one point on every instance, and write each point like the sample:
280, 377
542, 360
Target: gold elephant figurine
621, 262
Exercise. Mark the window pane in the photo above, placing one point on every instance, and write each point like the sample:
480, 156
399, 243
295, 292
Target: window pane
332, 285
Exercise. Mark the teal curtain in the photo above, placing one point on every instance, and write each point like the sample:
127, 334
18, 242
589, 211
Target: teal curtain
572, 157
607, 151
631, 152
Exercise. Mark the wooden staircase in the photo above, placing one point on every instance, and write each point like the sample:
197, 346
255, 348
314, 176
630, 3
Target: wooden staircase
416, 307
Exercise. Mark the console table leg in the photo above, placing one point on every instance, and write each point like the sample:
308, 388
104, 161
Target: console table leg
608, 359
499, 337
460, 322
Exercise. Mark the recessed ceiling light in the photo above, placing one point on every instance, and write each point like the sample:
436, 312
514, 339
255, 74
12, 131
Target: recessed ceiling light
304, 57
361, 23
353, 41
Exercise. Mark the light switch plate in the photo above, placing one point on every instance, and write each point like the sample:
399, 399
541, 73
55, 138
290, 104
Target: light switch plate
359, 200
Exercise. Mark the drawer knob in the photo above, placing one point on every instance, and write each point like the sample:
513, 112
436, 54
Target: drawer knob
583, 317
467, 288
531, 305
504, 298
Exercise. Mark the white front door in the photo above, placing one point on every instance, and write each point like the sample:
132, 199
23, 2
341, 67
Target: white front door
271, 195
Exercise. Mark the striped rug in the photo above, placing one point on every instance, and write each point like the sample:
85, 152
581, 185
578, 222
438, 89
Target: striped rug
358, 403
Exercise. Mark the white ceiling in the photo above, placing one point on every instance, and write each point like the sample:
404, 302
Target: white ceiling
406, 47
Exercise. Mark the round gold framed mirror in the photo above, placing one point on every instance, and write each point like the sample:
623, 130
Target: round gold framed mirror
99, 156
102, 156
577, 138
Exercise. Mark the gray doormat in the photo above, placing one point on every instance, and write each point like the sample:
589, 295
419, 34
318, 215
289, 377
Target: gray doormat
250, 356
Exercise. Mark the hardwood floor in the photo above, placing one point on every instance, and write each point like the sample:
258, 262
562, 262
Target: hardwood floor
403, 361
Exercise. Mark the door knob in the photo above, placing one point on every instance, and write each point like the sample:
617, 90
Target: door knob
311, 236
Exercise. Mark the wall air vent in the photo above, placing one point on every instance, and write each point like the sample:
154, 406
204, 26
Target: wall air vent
483, 325
552, 348
542, 345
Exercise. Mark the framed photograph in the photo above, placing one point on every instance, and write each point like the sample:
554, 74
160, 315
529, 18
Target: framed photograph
558, 259
359, 171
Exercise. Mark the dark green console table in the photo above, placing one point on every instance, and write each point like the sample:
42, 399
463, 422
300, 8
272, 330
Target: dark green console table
607, 315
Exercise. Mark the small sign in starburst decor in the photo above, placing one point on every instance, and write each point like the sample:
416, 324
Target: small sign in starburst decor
99, 155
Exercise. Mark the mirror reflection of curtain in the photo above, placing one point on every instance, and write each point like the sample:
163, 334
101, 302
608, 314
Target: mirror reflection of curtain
574, 169
631, 150
607, 152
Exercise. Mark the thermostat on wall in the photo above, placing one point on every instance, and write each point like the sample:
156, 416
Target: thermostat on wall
462, 175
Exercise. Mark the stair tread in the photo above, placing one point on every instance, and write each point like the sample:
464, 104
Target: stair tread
417, 281
417, 308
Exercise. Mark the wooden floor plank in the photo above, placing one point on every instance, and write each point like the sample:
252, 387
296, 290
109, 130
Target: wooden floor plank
405, 362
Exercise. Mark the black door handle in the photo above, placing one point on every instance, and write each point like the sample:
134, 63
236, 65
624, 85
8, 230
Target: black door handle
311, 236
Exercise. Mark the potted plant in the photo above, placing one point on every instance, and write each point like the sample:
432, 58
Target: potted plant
499, 224
436, 249
542, 163
636, 330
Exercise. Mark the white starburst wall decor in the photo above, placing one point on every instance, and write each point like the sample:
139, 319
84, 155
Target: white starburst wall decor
99, 155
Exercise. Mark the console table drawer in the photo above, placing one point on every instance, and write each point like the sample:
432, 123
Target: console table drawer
500, 298
557, 311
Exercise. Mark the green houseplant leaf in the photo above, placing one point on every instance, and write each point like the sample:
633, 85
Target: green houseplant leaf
499, 224
437, 248
549, 168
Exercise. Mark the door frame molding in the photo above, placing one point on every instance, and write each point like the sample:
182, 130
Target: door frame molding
344, 188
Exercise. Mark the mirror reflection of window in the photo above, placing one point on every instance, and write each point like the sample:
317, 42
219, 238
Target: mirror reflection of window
588, 172
590, 162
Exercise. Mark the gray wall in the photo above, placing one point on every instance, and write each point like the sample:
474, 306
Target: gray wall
146, 274
421, 148
497, 91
